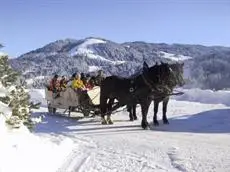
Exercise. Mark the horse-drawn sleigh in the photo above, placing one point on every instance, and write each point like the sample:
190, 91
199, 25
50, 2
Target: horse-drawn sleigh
72, 101
155, 83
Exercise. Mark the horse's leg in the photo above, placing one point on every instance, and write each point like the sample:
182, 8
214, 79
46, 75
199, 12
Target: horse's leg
134, 112
130, 110
155, 121
103, 121
69, 110
109, 112
103, 107
165, 104
144, 110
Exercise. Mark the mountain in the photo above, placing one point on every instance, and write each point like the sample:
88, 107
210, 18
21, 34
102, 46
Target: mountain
67, 56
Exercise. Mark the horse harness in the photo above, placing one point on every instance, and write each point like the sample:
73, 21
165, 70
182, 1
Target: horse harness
133, 88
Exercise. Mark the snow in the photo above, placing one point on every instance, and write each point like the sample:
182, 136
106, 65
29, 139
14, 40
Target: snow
41, 54
84, 50
31, 80
205, 96
3, 91
197, 139
174, 57
38, 95
94, 68
119, 62
21, 150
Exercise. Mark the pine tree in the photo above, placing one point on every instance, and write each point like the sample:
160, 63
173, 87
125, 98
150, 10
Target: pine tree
15, 97
7, 75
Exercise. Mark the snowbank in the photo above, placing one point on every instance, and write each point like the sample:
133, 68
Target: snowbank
205, 96
21, 150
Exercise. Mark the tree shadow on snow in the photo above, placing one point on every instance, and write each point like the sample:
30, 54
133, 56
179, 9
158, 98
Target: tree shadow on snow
213, 121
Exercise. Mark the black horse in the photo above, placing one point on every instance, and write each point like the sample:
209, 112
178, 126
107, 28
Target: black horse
132, 91
176, 79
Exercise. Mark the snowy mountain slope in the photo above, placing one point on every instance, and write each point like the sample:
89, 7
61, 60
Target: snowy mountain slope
68, 56
94, 68
83, 48
174, 57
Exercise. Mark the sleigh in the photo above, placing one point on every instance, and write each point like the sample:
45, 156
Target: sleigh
86, 102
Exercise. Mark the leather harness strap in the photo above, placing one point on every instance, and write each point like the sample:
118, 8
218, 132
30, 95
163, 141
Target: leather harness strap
147, 83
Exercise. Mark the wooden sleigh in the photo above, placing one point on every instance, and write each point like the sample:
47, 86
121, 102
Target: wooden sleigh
70, 100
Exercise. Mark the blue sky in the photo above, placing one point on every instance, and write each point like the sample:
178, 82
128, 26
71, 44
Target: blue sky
30, 24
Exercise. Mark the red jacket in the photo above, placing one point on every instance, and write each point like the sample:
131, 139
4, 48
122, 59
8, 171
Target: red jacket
88, 86
53, 84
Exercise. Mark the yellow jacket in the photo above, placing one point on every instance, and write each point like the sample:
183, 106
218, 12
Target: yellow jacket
77, 83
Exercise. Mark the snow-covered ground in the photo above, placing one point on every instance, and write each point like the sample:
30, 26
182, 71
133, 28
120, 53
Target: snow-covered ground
21, 150
197, 139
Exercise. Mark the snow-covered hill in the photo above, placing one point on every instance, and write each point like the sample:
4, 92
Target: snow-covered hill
208, 67
197, 139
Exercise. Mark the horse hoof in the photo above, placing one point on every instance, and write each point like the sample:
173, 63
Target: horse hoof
156, 123
145, 126
135, 118
131, 119
110, 122
103, 122
166, 122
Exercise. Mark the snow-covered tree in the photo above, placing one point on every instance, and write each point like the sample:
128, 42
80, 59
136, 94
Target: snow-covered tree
14, 95
7, 75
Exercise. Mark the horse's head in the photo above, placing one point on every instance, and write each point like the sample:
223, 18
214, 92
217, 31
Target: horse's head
159, 73
177, 71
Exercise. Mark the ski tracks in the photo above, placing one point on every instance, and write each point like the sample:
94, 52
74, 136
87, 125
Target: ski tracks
176, 162
77, 160
89, 157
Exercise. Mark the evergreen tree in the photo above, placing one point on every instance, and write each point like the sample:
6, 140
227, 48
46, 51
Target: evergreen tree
15, 96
